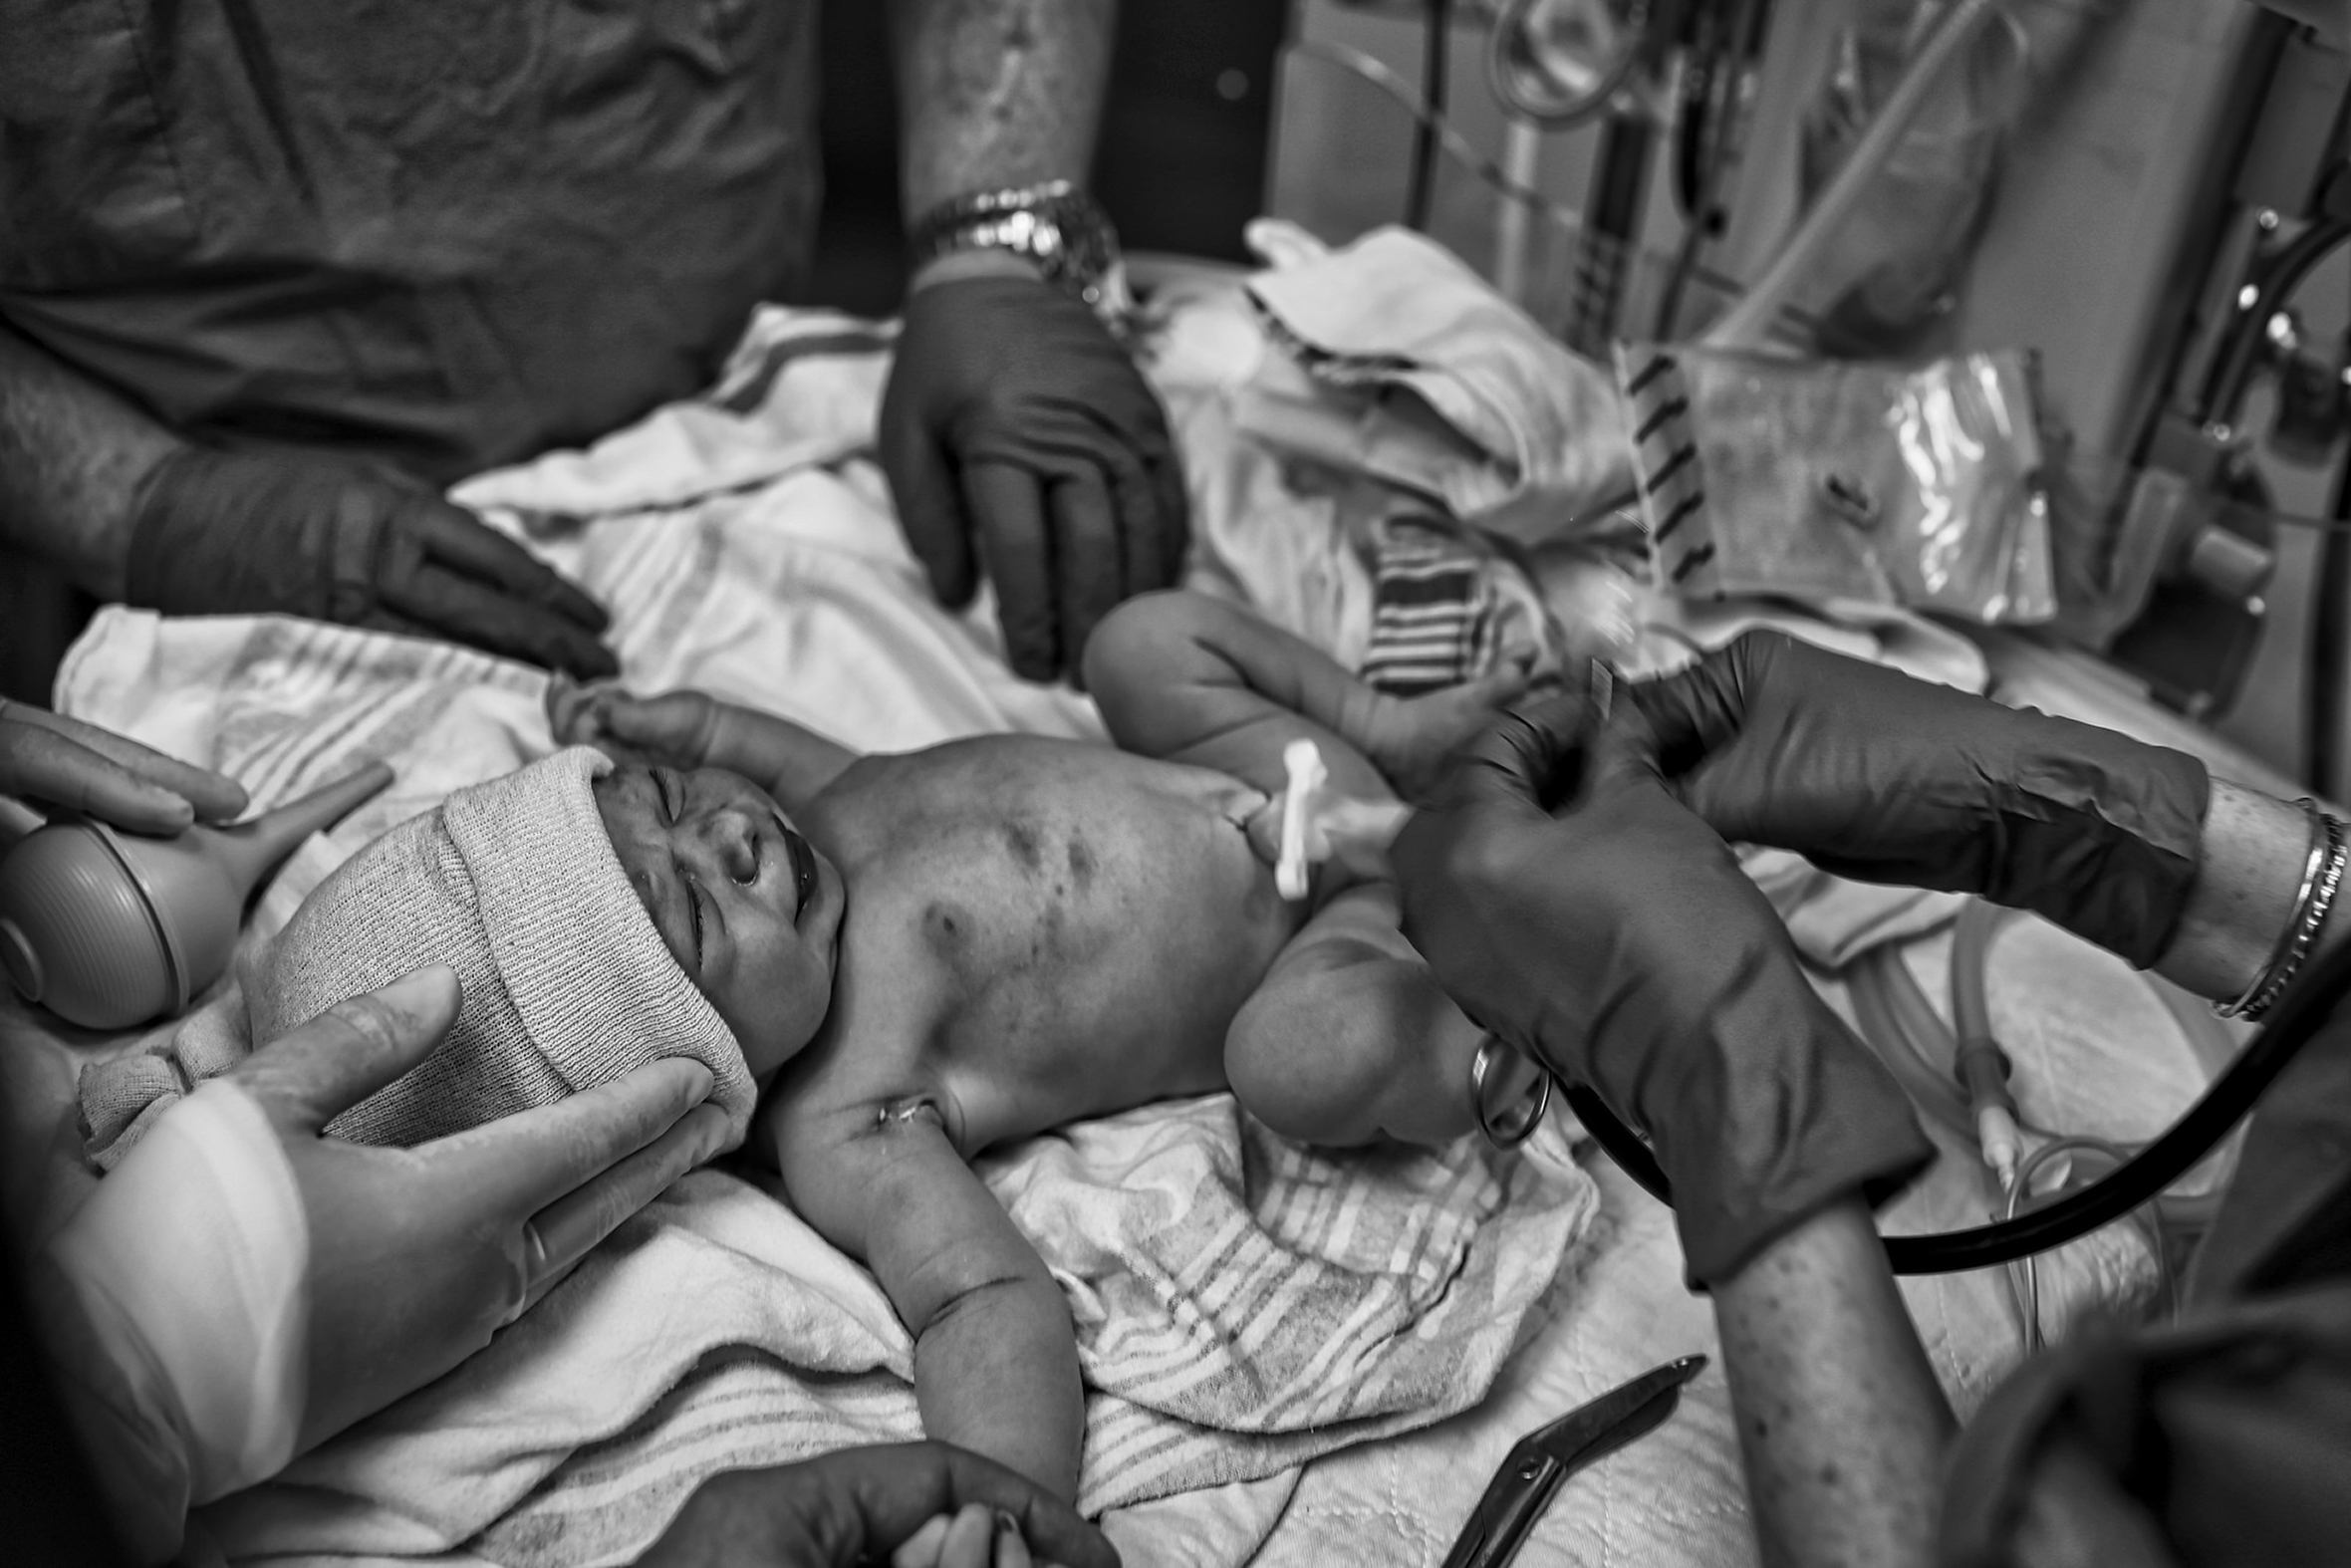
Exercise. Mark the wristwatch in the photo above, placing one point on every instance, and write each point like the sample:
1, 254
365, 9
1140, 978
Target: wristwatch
1055, 226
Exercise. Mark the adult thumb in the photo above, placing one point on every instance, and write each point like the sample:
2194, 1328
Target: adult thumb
347, 1053
1530, 757
1622, 752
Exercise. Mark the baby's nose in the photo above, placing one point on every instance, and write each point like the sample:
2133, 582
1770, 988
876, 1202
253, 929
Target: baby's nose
731, 840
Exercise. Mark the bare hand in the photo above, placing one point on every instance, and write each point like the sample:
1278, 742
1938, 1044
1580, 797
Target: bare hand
65, 762
418, 1256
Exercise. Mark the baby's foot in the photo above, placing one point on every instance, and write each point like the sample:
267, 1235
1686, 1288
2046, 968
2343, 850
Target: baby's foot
1409, 738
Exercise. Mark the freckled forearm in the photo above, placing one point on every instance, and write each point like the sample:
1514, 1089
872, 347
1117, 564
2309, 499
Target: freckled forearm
1842, 1425
997, 93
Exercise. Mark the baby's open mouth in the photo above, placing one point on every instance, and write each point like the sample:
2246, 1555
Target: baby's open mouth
803, 867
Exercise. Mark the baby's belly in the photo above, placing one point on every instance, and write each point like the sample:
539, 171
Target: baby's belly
1084, 923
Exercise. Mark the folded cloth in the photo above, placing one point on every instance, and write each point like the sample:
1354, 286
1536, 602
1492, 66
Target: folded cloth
1242, 1305
1503, 425
515, 885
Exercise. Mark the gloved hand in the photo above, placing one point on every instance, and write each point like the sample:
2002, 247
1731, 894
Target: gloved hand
1873, 775
66, 762
925, 1504
232, 533
1619, 942
418, 1256
1019, 437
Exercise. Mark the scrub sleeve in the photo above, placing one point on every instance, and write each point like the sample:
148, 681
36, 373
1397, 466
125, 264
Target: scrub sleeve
2228, 1435
450, 233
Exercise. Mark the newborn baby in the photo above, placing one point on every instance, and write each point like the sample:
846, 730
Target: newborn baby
929, 953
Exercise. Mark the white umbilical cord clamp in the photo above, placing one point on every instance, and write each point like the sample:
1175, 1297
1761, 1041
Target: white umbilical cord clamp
1302, 760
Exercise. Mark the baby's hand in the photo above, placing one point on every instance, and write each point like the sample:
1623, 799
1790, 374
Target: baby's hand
974, 1536
674, 728
1409, 738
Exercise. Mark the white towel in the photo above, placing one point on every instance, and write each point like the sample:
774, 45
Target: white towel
1242, 1305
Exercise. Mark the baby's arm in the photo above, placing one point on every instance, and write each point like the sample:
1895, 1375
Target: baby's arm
1195, 679
692, 729
995, 1356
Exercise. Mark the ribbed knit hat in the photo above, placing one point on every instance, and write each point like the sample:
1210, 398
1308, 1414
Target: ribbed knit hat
567, 985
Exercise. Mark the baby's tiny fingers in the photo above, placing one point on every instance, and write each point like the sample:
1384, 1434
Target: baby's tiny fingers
970, 1539
1011, 1546
920, 1549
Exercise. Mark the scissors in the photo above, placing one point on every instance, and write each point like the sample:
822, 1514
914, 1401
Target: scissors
1522, 1488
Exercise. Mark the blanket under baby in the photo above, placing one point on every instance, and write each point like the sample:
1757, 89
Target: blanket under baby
1242, 1305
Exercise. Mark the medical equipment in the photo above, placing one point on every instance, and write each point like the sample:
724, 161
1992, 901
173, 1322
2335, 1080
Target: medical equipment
1302, 761
1539, 1461
2141, 1178
108, 929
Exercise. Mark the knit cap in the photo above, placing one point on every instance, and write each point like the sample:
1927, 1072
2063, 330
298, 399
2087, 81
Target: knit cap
514, 883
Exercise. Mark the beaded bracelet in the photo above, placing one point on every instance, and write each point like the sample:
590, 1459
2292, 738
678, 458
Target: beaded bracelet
2322, 875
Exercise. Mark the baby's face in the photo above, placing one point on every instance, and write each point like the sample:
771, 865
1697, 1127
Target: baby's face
749, 908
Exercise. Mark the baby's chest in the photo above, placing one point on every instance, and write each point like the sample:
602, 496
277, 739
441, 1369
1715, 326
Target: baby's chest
1036, 935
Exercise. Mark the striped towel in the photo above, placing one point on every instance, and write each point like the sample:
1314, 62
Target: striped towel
1433, 610
1242, 1305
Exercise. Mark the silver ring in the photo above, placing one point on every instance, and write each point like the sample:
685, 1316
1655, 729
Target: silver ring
1507, 1137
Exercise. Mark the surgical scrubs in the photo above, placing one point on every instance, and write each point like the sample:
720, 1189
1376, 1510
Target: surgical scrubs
449, 232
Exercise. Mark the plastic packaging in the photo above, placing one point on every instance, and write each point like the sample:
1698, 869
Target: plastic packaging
1848, 482
1893, 270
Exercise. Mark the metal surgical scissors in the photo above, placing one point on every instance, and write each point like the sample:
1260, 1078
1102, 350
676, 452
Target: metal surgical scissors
1539, 1461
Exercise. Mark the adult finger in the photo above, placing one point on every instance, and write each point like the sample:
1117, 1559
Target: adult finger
521, 1163
970, 1541
64, 772
1135, 511
920, 1549
1622, 751
1008, 515
1086, 555
461, 540
1530, 758
210, 796
888, 1493
570, 1228
470, 611
1703, 706
308, 1078
930, 511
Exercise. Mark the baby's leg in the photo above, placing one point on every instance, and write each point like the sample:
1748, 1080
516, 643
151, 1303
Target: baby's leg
1195, 679
1348, 1040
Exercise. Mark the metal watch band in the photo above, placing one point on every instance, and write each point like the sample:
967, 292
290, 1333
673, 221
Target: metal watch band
1054, 225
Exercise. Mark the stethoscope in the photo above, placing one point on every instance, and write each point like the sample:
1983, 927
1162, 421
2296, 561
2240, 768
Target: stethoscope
2300, 1014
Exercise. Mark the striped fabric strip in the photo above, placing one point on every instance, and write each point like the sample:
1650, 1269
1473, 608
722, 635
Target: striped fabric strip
1667, 469
1431, 609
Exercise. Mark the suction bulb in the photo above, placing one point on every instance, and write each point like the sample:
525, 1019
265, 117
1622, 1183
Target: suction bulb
111, 929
